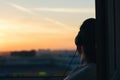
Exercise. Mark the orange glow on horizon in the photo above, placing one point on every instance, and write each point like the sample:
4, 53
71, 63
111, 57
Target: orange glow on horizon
14, 38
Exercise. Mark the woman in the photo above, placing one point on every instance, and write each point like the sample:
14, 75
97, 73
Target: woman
85, 43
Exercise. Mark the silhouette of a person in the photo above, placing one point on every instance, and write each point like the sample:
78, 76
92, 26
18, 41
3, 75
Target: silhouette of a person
85, 43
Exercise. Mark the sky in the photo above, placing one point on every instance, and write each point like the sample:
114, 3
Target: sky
42, 24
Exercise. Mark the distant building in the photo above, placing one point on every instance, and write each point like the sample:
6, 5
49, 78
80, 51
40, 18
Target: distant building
23, 53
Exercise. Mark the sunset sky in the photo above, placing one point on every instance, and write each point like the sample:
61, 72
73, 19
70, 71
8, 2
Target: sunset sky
42, 24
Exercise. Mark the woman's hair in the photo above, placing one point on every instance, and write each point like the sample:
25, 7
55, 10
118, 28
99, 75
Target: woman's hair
86, 38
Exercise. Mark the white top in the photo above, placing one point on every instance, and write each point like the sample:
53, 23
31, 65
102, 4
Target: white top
83, 72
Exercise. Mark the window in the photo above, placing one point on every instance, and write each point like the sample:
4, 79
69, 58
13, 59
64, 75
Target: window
40, 34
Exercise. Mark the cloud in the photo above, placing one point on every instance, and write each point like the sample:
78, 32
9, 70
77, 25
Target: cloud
68, 10
55, 22
64, 26
21, 8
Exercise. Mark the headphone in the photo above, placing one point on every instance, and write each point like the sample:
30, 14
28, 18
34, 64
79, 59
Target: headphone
68, 66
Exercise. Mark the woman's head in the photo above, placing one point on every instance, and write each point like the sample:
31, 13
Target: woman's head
86, 40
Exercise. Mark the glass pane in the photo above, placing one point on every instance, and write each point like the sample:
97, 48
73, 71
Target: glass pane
36, 36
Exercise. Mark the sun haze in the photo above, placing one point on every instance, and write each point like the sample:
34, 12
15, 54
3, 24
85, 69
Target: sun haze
42, 24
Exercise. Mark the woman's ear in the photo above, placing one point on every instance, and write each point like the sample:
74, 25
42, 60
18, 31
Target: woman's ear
79, 49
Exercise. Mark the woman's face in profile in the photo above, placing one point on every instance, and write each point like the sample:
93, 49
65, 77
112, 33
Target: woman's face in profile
80, 50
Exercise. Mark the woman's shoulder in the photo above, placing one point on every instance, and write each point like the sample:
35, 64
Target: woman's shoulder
84, 72
89, 69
